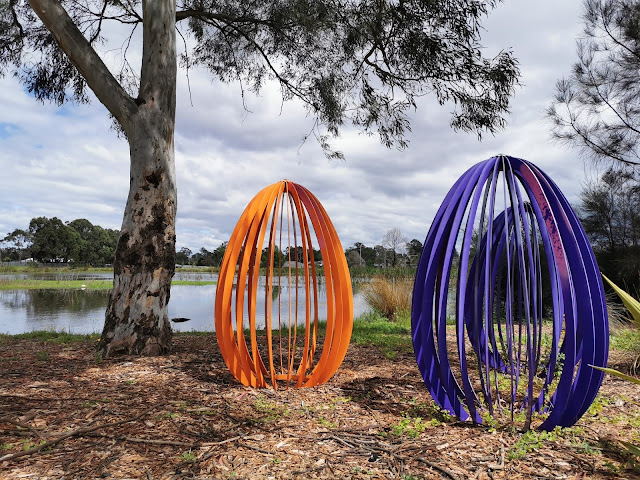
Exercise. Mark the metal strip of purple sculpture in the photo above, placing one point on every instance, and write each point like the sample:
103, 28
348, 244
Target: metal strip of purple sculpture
507, 258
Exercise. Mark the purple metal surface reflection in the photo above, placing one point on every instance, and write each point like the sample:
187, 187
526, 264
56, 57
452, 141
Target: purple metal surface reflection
504, 247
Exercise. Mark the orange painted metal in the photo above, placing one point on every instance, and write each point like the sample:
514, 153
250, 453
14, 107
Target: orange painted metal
285, 354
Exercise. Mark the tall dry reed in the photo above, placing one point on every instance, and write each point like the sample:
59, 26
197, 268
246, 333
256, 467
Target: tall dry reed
389, 297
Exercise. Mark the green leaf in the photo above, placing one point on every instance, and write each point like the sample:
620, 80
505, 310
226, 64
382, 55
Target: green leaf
612, 371
632, 448
631, 303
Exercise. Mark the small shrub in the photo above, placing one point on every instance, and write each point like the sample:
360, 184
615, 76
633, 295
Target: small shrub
410, 427
42, 355
617, 313
532, 441
97, 358
188, 457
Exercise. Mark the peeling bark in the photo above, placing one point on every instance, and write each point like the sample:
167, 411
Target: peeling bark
136, 320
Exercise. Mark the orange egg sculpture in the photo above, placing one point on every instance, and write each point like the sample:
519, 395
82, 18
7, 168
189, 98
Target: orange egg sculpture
287, 353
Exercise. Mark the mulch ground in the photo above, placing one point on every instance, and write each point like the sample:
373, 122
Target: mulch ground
63, 415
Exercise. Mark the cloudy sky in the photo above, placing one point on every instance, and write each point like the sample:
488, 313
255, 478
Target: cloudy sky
66, 162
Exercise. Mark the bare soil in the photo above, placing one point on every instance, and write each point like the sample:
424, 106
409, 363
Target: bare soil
64, 414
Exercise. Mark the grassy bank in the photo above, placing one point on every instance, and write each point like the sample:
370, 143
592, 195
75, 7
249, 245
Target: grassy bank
371, 328
391, 338
30, 284
388, 273
38, 268
42, 268
355, 272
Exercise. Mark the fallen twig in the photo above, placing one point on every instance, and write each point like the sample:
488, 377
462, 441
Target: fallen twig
498, 466
251, 447
145, 440
26, 426
309, 470
437, 467
74, 433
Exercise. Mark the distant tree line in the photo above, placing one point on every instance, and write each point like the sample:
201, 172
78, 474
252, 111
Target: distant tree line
50, 240
393, 251
214, 258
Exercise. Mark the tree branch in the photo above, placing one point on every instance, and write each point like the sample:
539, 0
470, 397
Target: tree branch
597, 147
227, 19
605, 27
86, 60
605, 100
99, 29
14, 15
229, 22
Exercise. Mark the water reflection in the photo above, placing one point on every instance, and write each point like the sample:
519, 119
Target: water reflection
74, 311
82, 311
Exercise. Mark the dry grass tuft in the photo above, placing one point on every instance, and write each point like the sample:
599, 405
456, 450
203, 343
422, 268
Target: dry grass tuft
389, 297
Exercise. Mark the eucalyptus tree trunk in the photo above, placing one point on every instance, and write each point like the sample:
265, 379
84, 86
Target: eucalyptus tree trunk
136, 320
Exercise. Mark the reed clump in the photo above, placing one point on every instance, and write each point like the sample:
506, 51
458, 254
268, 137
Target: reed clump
389, 296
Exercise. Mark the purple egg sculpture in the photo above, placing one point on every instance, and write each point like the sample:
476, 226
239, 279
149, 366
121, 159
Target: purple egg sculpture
507, 261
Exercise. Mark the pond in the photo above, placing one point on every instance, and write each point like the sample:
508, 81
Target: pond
82, 311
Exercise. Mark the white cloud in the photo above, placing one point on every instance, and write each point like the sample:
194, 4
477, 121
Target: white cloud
68, 163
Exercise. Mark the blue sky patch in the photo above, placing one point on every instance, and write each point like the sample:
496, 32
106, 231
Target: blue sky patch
8, 129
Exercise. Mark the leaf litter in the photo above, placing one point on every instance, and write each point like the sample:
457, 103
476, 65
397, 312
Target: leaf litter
68, 415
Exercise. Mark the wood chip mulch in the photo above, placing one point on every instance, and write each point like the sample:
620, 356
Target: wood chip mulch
66, 415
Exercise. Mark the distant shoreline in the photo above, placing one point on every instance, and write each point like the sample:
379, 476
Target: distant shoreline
29, 284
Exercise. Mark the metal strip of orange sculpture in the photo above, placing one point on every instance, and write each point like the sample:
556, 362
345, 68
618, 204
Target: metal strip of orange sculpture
284, 209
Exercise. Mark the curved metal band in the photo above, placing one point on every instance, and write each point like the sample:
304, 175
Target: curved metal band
498, 298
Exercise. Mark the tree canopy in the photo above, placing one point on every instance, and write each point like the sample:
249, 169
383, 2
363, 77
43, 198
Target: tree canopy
609, 211
598, 107
363, 63
52, 240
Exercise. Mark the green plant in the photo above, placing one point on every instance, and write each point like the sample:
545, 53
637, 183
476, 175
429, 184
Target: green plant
619, 374
326, 423
188, 457
28, 444
490, 421
626, 339
42, 355
429, 409
532, 440
630, 340
270, 409
97, 358
631, 303
410, 427
165, 416
390, 337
